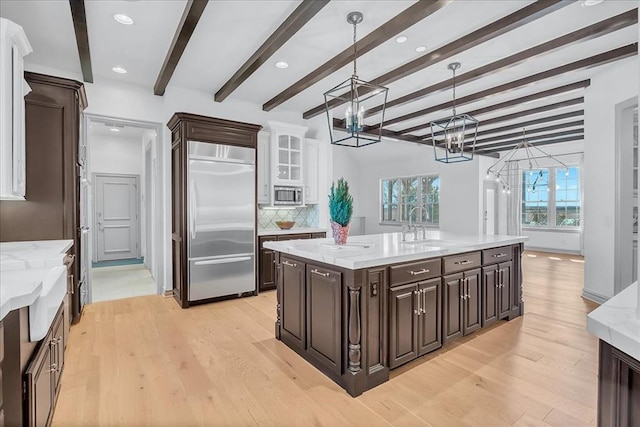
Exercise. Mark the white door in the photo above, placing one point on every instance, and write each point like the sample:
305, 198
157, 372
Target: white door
116, 217
490, 207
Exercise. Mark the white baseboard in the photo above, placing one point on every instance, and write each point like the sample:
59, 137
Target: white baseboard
167, 293
594, 296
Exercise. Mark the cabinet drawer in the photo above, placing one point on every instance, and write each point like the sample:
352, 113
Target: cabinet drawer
318, 235
491, 256
455, 263
263, 239
414, 271
294, 236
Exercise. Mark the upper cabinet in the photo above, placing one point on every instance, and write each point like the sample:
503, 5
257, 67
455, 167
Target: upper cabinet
287, 150
264, 187
13, 88
311, 171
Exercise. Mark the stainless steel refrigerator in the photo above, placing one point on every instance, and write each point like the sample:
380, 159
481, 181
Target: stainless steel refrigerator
221, 217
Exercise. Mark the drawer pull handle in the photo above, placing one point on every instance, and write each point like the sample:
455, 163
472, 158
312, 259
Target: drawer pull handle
315, 271
415, 273
465, 262
289, 264
499, 255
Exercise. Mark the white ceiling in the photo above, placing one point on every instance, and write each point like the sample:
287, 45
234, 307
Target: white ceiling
229, 32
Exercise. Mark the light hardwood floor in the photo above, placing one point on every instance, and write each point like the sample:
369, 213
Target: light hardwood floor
145, 361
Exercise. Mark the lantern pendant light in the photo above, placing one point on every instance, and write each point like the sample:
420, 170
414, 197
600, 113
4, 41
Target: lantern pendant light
358, 95
454, 138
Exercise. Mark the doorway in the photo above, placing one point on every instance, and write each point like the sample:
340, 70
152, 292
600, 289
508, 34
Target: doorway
125, 212
490, 207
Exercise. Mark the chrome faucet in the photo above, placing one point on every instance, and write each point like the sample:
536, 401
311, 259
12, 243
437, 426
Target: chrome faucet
415, 227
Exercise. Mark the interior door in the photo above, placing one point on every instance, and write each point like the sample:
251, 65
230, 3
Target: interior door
490, 206
116, 217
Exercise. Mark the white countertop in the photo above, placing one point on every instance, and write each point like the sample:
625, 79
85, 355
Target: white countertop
24, 267
616, 321
379, 249
33, 254
294, 230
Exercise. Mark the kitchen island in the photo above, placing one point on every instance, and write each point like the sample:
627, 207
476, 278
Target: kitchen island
358, 310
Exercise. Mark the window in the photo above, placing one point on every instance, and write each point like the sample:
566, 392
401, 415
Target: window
415, 197
551, 197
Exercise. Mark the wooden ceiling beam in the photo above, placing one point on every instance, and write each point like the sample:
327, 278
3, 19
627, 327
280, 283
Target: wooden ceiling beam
391, 28
574, 138
79, 17
190, 17
598, 29
505, 104
294, 22
497, 28
530, 131
592, 61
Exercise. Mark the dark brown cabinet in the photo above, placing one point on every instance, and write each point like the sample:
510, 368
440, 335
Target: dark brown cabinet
462, 303
1, 369
266, 257
53, 111
293, 304
323, 294
618, 388
414, 320
44, 373
191, 127
498, 290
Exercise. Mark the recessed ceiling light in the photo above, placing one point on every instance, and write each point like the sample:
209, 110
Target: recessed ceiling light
401, 39
119, 70
114, 129
421, 48
282, 64
591, 2
123, 19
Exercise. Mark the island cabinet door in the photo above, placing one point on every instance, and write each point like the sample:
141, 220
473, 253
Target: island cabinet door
324, 328
293, 303
489, 295
504, 289
453, 297
403, 310
472, 302
429, 323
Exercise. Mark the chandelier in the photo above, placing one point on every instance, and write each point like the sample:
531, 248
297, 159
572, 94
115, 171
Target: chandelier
526, 152
454, 138
358, 95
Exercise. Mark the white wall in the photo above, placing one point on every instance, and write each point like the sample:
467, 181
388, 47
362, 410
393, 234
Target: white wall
113, 154
617, 83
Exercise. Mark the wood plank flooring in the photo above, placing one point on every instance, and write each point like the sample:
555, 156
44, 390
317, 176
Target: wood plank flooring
145, 361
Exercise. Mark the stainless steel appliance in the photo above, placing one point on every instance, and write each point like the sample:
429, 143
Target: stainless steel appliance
221, 215
288, 196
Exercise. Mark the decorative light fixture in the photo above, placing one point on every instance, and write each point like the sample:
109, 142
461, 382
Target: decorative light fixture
455, 135
501, 169
358, 96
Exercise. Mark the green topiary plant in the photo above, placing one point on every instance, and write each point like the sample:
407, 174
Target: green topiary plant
340, 203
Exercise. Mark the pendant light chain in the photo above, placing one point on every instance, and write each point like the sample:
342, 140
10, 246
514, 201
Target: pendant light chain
355, 53
454, 91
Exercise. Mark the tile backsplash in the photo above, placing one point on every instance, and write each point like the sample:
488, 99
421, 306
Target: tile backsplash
304, 217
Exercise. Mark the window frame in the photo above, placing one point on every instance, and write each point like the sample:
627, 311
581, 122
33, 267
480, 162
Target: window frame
552, 202
404, 205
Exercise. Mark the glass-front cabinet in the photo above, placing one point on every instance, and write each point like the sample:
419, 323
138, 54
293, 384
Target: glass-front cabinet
287, 142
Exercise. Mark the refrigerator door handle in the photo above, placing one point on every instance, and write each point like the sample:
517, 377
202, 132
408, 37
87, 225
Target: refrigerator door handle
192, 198
223, 260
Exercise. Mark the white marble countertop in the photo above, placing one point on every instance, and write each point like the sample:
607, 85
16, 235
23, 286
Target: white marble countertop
24, 267
294, 230
380, 249
616, 321
33, 254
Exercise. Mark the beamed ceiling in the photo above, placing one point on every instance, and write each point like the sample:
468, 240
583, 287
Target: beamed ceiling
525, 64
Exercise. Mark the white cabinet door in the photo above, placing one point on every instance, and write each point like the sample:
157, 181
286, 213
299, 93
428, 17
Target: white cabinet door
13, 88
311, 171
287, 151
264, 169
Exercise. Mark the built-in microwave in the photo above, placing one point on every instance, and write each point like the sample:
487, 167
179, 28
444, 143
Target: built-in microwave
288, 196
